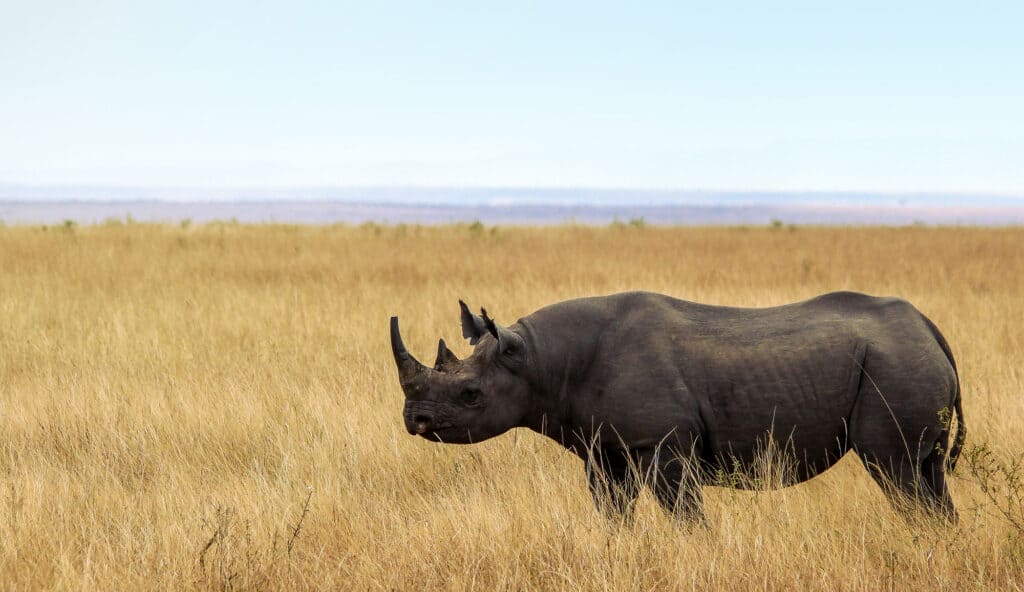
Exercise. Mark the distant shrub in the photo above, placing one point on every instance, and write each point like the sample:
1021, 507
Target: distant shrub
632, 223
371, 226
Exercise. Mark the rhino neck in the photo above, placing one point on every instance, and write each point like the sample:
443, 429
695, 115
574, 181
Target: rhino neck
561, 357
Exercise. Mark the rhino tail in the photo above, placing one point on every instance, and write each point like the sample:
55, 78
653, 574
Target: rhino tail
961, 433
961, 427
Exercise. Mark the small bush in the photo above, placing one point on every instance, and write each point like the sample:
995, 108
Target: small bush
1001, 481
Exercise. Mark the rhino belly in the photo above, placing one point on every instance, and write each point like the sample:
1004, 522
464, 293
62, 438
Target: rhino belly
791, 428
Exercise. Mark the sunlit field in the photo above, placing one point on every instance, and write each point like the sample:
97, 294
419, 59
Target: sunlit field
216, 406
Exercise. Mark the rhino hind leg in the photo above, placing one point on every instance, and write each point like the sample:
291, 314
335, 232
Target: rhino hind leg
913, 487
900, 443
933, 472
912, 474
613, 479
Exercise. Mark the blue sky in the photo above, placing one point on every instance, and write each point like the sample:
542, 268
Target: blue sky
778, 96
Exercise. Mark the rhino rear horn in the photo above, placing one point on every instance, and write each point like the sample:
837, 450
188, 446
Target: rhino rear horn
408, 366
473, 327
445, 357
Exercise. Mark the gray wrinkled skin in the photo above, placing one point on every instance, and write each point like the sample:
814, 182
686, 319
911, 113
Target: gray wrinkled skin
654, 391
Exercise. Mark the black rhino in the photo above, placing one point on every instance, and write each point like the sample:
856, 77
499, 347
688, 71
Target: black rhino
652, 390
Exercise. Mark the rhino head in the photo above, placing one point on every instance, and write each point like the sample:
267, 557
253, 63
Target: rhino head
464, 401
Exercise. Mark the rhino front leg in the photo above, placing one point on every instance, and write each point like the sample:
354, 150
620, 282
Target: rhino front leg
675, 480
612, 477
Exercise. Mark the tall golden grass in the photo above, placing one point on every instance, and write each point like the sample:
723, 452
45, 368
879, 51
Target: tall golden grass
215, 406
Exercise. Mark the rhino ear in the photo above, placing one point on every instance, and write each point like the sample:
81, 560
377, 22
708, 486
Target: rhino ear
445, 357
510, 344
473, 327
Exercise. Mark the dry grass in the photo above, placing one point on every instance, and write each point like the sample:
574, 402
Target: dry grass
172, 398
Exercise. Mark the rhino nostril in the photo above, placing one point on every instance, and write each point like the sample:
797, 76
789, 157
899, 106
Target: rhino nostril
422, 423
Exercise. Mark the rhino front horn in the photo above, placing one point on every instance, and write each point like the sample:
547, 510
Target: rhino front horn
408, 366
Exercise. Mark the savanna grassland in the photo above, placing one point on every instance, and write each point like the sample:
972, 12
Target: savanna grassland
215, 406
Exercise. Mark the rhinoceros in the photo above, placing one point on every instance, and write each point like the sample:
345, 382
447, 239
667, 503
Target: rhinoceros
650, 390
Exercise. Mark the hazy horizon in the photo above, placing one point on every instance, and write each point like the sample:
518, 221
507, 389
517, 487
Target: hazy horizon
501, 195
543, 206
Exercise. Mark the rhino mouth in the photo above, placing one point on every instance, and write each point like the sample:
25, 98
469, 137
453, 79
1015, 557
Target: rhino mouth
422, 428
448, 434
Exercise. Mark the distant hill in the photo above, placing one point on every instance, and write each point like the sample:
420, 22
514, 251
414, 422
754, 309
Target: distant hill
85, 205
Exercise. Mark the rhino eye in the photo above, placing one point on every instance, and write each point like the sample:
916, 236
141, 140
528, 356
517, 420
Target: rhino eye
471, 397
